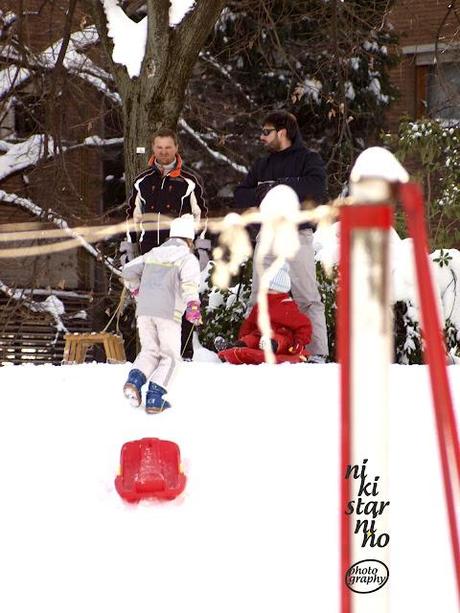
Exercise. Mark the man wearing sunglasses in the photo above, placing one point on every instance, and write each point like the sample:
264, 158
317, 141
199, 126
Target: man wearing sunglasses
289, 162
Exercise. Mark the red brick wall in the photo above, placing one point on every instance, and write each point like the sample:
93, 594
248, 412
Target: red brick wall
71, 187
42, 20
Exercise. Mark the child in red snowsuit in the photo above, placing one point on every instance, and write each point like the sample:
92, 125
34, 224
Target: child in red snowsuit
291, 329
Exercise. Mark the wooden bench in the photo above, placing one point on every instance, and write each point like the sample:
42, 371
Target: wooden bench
76, 346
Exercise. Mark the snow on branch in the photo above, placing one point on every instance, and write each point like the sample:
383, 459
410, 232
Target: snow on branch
207, 57
22, 155
29, 152
9, 52
178, 10
58, 221
80, 65
97, 141
51, 305
6, 21
75, 61
12, 77
82, 39
129, 38
215, 154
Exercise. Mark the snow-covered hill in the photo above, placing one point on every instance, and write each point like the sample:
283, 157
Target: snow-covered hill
256, 529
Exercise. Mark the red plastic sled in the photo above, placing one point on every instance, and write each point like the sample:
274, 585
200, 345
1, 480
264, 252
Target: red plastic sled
247, 355
150, 468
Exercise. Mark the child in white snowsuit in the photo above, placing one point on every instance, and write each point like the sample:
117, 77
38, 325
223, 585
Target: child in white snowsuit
165, 282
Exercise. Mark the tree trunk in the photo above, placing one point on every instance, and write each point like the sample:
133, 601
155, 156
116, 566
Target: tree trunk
144, 112
155, 98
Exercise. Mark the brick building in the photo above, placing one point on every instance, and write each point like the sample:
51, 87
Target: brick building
428, 76
69, 182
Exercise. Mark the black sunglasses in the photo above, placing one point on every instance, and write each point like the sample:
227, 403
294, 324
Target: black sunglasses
267, 131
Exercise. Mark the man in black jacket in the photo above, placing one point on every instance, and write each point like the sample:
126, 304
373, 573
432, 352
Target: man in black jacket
289, 162
166, 189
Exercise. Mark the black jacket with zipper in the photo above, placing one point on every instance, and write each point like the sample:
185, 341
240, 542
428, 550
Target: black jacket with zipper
299, 167
172, 195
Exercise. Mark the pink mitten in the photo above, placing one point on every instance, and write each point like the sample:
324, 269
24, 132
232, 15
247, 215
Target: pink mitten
192, 312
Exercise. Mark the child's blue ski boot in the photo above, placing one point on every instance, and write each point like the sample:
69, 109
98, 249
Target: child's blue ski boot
154, 402
132, 387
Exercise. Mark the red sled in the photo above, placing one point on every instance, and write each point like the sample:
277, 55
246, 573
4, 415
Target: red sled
150, 468
248, 355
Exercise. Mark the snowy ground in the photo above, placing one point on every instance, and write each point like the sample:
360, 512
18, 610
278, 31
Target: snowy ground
256, 529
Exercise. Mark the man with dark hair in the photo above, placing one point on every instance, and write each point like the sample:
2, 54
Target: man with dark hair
289, 162
167, 188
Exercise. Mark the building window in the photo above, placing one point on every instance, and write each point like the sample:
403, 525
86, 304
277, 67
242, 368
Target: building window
443, 91
437, 80
437, 91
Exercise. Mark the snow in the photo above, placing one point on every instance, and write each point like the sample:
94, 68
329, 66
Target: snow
448, 283
355, 63
129, 38
23, 154
97, 141
377, 162
207, 57
215, 154
376, 88
74, 61
52, 304
349, 90
12, 77
7, 18
178, 10
371, 46
312, 88
446, 278
256, 528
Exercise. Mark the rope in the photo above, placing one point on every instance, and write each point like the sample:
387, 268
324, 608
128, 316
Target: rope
117, 313
188, 338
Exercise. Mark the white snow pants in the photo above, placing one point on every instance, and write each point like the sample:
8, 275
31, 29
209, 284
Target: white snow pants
304, 289
160, 348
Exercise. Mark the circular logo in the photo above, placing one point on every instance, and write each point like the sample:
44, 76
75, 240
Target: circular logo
366, 576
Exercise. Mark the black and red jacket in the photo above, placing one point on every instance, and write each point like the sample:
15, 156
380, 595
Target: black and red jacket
174, 194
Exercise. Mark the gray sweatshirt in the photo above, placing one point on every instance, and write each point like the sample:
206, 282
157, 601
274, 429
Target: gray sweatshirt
167, 277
